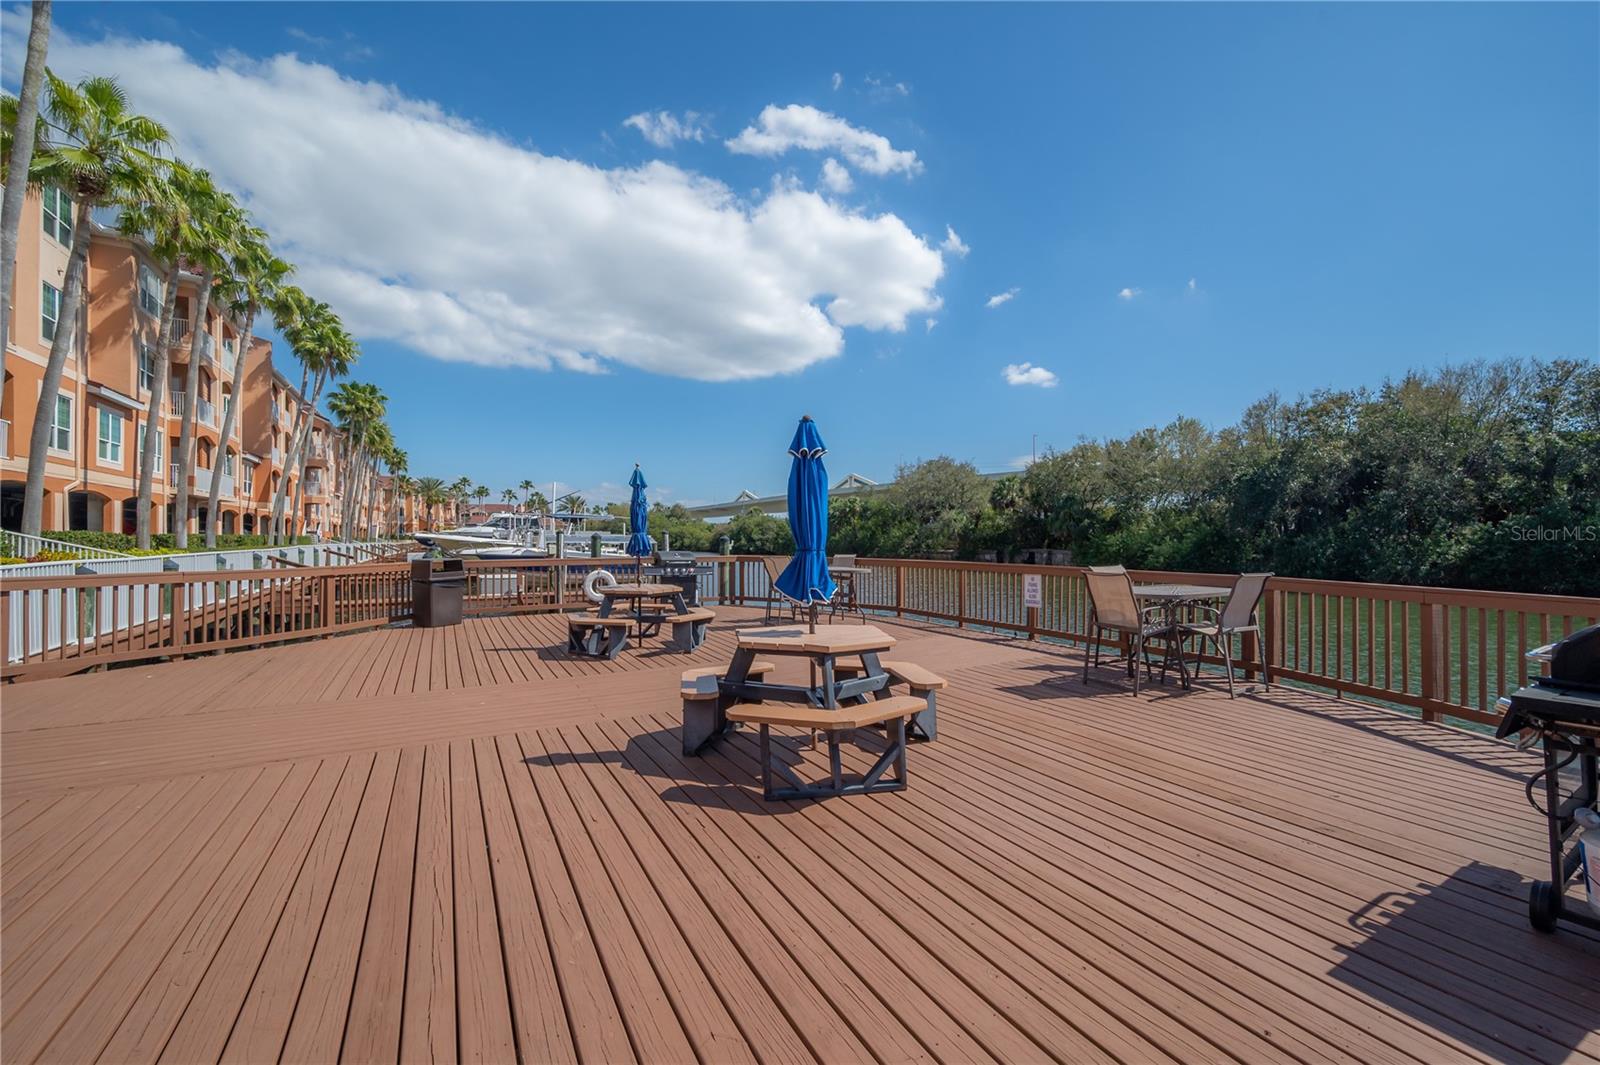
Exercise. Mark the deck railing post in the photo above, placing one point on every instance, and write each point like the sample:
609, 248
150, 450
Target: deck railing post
1269, 635
961, 598
1432, 660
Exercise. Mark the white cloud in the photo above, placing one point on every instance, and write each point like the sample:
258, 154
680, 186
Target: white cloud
1129, 293
308, 37
836, 177
838, 80
664, 129
422, 228
1026, 373
882, 88
779, 129
953, 244
1005, 297
1192, 285
928, 324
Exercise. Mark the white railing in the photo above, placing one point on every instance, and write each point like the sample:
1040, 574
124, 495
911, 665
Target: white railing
202, 480
84, 617
180, 328
180, 404
172, 473
207, 412
21, 545
227, 486
5, 439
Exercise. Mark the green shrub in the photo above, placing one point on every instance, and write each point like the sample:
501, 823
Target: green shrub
160, 543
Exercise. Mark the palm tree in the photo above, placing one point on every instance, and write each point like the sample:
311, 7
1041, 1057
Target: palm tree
509, 496
254, 280
358, 408
21, 120
162, 220
537, 501
526, 488
215, 230
399, 486
325, 350
433, 492
106, 154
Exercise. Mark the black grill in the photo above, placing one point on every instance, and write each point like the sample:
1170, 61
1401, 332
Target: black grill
1561, 711
682, 568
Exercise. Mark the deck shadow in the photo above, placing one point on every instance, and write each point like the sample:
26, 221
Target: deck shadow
1384, 966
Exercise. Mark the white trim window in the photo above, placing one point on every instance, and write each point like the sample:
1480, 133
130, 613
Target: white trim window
49, 310
139, 449
249, 479
57, 215
147, 366
150, 291
110, 437
61, 424
227, 462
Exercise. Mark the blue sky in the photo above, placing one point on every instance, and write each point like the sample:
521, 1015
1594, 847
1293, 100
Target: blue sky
1195, 205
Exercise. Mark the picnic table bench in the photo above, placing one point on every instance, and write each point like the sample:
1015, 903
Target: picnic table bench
597, 637
893, 712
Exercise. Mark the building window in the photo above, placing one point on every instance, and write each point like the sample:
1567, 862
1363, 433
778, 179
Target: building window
147, 367
149, 291
249, 479
227, 463
140, 451
110, 437
49, 311
61, 427
58, 215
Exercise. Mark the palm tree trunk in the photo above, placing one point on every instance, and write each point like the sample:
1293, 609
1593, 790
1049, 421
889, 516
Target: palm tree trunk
298, 462
44, 414
155, 427
191, 410
228, 417
281, 494
21, 160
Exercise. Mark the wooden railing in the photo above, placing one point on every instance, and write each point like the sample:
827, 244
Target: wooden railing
60, 624
1446, 652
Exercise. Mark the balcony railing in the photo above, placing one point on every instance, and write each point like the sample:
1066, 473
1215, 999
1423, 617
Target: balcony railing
5, 439
277, 456
202, 480
207, 413
180, 404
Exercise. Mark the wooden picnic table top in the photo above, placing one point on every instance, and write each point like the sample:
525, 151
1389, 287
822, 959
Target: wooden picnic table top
827, 640
641, 591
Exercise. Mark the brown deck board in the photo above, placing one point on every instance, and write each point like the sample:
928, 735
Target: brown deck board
463, 843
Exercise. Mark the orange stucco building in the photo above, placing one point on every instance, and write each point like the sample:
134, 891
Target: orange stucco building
97, 422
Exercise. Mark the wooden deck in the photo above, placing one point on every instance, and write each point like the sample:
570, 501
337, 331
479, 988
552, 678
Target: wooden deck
463, 844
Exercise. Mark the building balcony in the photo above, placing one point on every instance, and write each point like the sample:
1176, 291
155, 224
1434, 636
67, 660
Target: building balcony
207, 413
5, 439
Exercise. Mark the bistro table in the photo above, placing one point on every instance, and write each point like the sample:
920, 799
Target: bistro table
640, 594
845, 598
1173, 598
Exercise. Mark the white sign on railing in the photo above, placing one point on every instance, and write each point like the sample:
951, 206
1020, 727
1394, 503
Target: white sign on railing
1033, 590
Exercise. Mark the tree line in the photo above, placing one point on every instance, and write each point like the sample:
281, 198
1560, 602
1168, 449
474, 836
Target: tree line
1482, 476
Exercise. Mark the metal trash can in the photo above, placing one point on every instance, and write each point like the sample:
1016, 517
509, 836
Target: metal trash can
437, 585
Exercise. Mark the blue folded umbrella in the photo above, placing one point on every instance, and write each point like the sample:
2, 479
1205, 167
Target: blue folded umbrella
639, 543
806, 579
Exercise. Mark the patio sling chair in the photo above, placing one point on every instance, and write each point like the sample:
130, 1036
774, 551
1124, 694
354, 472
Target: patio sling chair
775, 565
1114, 608
1237, 615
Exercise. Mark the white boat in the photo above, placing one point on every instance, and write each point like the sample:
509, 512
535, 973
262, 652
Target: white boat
502, 536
